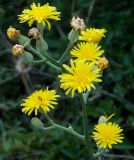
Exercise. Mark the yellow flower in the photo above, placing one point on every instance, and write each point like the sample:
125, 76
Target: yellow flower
87, 50
41, 14
107, 134
92, 35
42, 99
80, 77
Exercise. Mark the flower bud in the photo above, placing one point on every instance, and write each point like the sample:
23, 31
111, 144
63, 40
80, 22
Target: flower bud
102, 63
37, 123
77, 24
12, 33
105, 119
102, 119
18, 50
34, 32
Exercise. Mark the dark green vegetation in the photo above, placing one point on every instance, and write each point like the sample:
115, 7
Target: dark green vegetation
18, 139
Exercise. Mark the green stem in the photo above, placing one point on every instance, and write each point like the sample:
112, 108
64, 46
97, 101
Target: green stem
66, 51
100, 157
100, 153
55, 62
48, 128
57, 67
25, 82
38, 61
86, 129
69, 129
40, 28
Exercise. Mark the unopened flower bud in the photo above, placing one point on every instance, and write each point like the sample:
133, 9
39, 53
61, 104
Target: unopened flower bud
12, 33
37, 123
102, 63
102, 119
34, 32
18, 50
77, 23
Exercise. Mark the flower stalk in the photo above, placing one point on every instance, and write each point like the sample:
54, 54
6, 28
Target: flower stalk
66, 52
86, 129
50, 61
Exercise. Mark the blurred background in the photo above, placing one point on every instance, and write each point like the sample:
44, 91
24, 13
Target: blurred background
18, 139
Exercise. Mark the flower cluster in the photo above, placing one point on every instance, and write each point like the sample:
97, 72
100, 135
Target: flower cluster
86, 69
79, 76
86, 63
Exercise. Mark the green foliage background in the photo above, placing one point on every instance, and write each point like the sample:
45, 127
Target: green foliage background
18, 139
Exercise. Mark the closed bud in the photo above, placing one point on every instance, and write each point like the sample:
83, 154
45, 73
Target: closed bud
102, 63
37, 123
105, 119
12, 33
18, 50
102, 119
34, 32
77, 24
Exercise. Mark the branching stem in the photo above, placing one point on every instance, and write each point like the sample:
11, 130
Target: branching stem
57, 126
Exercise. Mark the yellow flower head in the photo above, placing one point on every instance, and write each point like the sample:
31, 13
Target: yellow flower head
107, 134
92, 35
42, 99
80, 77
41, 14
87, 50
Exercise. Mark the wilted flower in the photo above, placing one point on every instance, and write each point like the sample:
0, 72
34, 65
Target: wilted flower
34, 32
18, 50
102, 63
12, 33
77, 23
